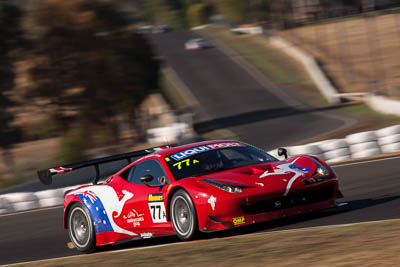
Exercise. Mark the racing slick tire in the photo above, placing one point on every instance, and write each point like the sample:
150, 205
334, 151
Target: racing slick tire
80, 228
183, 215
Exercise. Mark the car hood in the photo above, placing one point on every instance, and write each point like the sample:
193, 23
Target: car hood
274, 176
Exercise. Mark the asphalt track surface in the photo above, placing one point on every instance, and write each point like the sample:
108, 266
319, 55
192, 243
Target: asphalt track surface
229, 98
371, 189
232, 98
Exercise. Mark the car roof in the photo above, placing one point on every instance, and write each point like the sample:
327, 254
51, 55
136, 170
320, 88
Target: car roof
195, 40
176, 149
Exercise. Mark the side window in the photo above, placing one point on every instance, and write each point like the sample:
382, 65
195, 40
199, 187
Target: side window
127, 173
152, 167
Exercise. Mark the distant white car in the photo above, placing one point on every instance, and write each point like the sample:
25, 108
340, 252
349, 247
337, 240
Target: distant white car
195, 44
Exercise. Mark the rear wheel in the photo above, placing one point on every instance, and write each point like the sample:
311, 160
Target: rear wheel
80, 228
183, 215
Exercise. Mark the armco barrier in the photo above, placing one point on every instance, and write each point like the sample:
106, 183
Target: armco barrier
358, 145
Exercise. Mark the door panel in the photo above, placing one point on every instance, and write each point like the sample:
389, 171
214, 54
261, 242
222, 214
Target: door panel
145, 212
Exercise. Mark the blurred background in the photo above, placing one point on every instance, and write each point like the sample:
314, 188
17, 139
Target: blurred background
80, 79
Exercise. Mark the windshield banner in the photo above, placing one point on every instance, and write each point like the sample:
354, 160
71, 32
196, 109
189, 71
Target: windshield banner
192, 151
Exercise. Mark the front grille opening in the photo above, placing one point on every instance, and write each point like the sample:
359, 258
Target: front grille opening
294, 200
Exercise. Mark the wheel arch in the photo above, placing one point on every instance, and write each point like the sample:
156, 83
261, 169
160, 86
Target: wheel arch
171, 194
67, 209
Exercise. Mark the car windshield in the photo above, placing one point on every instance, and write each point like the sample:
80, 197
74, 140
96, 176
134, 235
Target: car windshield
211, 158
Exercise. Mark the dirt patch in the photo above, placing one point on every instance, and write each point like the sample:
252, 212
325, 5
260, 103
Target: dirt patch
336, 246
359, 54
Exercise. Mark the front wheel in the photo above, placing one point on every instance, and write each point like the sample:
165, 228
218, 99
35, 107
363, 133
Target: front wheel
80, 228
183, 215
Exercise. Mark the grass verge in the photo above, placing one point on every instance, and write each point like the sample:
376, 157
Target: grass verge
272, 62
171, 93
372, 244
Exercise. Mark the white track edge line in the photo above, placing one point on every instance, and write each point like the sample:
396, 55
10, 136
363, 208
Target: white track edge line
365, 161
30, 211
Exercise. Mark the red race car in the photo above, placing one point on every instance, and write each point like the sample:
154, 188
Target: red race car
206, 186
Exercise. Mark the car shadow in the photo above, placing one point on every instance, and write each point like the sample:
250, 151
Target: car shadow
259, 115
270, 226
288, 223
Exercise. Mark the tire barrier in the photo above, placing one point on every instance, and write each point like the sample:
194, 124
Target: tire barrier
390, 148
356, 148
21, 201
390, 139
304, 149
391, 130
358, 145
362, 137
12, 202
334, 154
333, 144
48, 198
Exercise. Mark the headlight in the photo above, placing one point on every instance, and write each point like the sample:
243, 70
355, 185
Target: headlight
321, 170
226, 187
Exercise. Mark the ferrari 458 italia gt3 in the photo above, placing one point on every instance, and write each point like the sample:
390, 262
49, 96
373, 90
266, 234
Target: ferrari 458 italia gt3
206, 186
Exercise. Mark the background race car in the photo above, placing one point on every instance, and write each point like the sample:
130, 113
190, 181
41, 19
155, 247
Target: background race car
195, 44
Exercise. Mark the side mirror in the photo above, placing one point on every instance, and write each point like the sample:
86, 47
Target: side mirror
282, 152
146, 178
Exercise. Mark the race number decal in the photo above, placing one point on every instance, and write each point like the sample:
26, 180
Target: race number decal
157, 208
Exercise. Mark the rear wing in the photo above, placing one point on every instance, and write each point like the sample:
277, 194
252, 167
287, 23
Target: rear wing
45, 176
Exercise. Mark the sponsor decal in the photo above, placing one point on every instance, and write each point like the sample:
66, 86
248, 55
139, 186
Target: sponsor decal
104, 205
146, 235
157, 208
135, 221
239, 220
212, 200
134, 218
193, 151
224, 145
189, 152
155, 197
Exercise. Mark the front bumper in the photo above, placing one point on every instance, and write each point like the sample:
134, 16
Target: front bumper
245, 210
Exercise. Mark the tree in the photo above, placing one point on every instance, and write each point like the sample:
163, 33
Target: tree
158, 11
11, 37
234, 10
89, 68
197, 14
